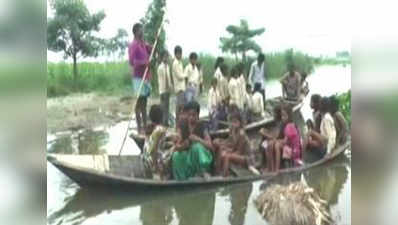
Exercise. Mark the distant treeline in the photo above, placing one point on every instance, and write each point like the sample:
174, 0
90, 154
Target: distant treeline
114, 77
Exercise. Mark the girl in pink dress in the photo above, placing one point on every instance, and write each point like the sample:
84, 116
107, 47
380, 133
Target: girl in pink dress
291, 148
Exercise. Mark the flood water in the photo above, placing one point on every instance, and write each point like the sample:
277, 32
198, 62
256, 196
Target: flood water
233, 204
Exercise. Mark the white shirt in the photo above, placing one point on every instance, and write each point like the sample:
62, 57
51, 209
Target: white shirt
214, 99
164, 78
248, 101
328, 130
257, 74
258, 104
193, 75
179, 75
234, 92
242, 89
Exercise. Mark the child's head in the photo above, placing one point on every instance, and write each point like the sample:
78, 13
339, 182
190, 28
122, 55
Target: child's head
164, 56
257, 87
286, 114
156, 114
193, 110
193, 58
234, 72
236, 120
178, 52
219, 61
325, 105
248, 88
334, 104
315, 101
214, 82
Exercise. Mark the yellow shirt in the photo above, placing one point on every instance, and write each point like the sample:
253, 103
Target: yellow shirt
179, 75
258, 104
192, 73
164, 78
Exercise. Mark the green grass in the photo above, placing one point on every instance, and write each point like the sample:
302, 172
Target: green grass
345, 105
114, 77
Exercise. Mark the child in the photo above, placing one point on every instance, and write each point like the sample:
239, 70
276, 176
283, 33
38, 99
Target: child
258, 104
192, 73
214, 104
151, 155
291, 143
165, 86
339, 121
234, 89
241, 153
291, 84
316, 114
272, 139
223, 84
323, 142
242, 84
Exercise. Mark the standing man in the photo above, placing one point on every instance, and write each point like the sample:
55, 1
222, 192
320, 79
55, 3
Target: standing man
179, 79
165, 86
139, 53
257, 74
192, 73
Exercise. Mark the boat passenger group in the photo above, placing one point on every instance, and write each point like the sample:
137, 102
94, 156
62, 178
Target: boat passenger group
231, 103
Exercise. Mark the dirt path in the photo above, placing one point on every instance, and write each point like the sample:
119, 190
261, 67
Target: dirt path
84, 111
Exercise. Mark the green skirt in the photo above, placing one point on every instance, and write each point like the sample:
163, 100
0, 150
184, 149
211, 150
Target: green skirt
196, 160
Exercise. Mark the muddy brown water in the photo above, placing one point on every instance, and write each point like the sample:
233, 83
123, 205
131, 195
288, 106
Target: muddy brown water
67, 203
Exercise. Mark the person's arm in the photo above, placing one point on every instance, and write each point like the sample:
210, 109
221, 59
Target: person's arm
206, 142
284, 77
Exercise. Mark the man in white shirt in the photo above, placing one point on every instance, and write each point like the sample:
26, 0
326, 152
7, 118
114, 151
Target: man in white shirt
165, 85
179, 79
214, 104
258, 74
192, 73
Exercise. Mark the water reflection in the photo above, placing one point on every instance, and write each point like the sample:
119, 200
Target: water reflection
80, 142
239, 203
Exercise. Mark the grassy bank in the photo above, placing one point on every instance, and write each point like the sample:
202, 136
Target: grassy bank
114, 77
345, 105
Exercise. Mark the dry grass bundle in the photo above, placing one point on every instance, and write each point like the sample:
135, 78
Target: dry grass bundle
295, 204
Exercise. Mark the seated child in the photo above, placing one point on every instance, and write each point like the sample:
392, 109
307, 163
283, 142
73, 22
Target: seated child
241, 152
155, 133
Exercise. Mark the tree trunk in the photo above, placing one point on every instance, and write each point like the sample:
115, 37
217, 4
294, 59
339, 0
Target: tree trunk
75, 71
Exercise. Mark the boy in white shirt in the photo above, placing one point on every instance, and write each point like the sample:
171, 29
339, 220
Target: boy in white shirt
214, 104
179, 80
165, 86
257, 102
233, 89
192, 73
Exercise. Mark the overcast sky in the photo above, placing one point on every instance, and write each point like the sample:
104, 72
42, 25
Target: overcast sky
315, 27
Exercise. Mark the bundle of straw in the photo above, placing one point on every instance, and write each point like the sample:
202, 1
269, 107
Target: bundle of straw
295, 204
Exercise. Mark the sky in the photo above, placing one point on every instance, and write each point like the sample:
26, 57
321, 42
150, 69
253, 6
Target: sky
314, 27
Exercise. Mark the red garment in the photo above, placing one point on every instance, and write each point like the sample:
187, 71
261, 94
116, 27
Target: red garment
292, 137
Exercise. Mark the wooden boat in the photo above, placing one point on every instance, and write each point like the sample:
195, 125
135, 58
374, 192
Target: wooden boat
127, 173
221, 133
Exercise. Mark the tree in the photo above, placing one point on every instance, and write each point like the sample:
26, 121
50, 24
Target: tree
241, 41
71, 31
151, 22
117, 45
